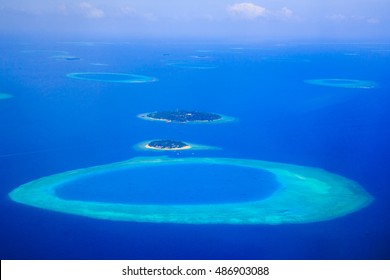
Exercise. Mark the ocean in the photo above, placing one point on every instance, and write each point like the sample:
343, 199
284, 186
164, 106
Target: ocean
52, 123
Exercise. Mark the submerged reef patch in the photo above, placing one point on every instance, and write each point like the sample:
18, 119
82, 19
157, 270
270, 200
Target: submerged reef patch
5, 95
304, 195
66, 57
342, 83
112, 77
71, 58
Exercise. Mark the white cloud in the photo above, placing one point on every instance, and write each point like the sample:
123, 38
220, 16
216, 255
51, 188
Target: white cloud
131, 12
286, 12
337, 17
247, 10
91, 11
127, 10
373, 20
63, 9
252, 11
353, 18
149, 16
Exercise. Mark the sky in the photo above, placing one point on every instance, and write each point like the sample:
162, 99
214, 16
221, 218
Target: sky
255, 20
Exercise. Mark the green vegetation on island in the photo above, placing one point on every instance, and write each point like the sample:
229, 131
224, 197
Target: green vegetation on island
184, 116
167, 145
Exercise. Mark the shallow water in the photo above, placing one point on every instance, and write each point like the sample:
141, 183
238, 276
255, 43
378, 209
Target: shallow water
54, 123
111, 77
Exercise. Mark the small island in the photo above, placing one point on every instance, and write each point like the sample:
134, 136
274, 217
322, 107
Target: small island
163, 145
182, 116
167, 145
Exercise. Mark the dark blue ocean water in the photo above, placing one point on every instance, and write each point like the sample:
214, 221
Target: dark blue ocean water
185, 184
55, 123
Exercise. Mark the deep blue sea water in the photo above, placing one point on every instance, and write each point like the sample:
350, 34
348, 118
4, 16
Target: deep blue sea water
184, 184
55, 123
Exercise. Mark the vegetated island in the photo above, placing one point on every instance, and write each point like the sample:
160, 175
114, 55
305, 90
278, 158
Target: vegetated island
167, 145
182, 116
163, 145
